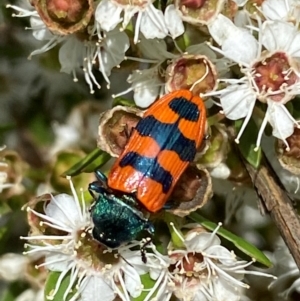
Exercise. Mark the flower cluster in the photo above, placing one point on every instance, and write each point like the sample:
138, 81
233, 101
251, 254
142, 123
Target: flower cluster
239, 62
262, 41
201, 269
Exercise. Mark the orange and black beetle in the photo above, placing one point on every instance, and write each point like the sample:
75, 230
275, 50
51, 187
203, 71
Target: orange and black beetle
160, 148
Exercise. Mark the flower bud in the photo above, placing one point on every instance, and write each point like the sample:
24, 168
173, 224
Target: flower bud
192, 191
115, 127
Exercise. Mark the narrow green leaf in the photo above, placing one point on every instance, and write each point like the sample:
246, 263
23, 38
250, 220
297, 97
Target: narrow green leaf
247, 143
50, 286
120, 101
92, 161
239, 242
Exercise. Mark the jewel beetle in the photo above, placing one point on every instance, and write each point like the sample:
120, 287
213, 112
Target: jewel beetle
160, 148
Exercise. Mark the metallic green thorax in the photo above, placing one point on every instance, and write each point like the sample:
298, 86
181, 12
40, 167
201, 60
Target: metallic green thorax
116, 220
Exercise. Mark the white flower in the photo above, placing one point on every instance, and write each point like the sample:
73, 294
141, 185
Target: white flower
13, 266
101, 49
150, 21
205, 270
146, 83
270, 76
108, 52
91, 267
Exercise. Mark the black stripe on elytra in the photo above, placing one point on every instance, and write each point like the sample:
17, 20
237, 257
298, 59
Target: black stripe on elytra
168, 137
185, 108
150, 168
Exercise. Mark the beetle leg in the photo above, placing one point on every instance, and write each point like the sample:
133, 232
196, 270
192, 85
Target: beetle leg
128, 132
147, 242
101, 176
95, 187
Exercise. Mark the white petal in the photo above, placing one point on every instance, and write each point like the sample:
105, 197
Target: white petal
41, 34
153, 24
199, 296
57, 262
224, 255
97, 289
108, 15
135, 259
173, 21
63, 209
236, 101
70, 55
283, 126
200, 242
274, 9
144, 96
237, 44
278, 35
116, 44
132, 281
221, 29
224, 292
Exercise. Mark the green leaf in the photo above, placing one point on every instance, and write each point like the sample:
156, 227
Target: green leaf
91, 162
239, 242
247, 143
120, 101
50, 286
148, 284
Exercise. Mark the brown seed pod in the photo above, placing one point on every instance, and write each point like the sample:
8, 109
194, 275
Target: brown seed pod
64, 17
115, 127
193, 191
195, 72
